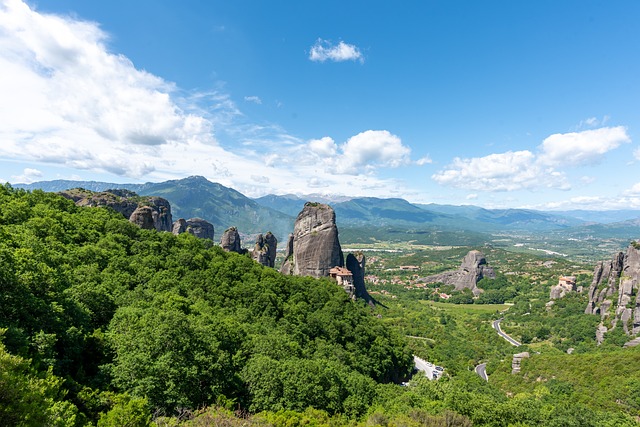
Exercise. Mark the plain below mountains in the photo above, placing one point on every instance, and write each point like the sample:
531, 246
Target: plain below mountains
366, 217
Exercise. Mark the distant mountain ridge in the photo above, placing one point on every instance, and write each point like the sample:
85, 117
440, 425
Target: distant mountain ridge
225, 207
193, 197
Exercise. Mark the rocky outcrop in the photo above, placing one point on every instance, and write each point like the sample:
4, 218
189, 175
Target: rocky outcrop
179, 227
198, 227
143, 218
474, 268
621, 277
264, 251
315, 244
140, 210
356, 264
161, 212
517, 360
287, 264
230, 240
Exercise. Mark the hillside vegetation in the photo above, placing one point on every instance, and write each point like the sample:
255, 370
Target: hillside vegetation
106, 324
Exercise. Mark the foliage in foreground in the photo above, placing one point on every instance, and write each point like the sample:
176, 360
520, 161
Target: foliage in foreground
112, 308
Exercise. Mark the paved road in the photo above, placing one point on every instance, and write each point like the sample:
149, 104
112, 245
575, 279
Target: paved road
496, 326
481, 370
423, 365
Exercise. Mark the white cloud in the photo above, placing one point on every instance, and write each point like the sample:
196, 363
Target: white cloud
519, 170
371, 149
500, 172
254, 99
635, 190
324, 147
471, 196
324, 50
67, 101
28, 176
424, 161
636, 153
579, 148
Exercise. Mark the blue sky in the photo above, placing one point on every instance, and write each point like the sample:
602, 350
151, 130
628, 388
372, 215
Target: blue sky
494, 103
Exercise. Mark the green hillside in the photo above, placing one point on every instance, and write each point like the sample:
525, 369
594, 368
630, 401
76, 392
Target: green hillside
100, 315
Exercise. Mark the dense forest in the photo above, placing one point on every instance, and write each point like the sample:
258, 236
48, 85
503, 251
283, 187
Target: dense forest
103, 323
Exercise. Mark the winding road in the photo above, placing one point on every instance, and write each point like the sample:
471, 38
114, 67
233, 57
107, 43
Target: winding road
496, 326
481, 370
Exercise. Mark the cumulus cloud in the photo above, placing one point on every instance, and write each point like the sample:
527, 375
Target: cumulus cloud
28, 176
579, 148
635, 190
424, 161
361, 154
324, 147
371, 149
68, 101
499, 172
324, 50
519, 170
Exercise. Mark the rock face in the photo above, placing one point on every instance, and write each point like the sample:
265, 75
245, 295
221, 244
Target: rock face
179, 227
264, 251
140, 210
230, 240
474, 268
198, 227
287, 264
565, 284
517, 360
356, 264
143, 218
315, 247
621, 275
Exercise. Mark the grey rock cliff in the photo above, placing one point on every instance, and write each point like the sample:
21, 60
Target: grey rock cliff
356, 264
230, 240
140, 210
621, 275
473, 268
287, 264
200, 228
517, 360
179, 227
143, 218
316, 247
264, 251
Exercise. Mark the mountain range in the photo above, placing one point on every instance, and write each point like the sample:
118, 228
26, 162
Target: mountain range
225, 207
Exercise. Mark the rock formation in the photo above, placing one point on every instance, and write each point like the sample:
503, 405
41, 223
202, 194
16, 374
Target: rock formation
356, 264
474, 268
517, 360
315, 245
264, 251
287, 264
140, 210
198, 227
619, 276
143, 218
179, 227
230, 240
565, 284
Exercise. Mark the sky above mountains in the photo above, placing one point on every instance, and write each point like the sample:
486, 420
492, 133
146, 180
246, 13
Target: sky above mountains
495, 103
